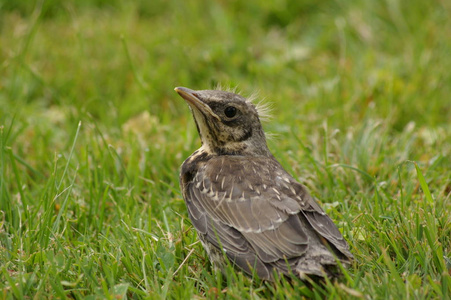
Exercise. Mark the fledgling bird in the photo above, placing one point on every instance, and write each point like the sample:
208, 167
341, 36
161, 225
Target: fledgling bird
242, 202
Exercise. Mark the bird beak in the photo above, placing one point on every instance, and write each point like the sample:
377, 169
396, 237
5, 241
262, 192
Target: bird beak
195, 102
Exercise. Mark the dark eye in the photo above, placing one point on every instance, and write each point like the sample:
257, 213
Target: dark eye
230, 111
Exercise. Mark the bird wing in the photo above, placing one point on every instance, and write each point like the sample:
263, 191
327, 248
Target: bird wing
251, 205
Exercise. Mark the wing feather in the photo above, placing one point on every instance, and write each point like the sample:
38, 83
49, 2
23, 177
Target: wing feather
255, 213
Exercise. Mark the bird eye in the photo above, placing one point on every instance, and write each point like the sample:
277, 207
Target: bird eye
230, 111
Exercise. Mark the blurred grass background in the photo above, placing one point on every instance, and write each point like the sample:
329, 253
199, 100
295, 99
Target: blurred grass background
92, 136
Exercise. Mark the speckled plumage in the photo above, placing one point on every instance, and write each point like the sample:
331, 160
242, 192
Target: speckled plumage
242, 202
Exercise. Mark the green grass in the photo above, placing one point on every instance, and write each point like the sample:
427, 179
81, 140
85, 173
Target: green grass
92, 136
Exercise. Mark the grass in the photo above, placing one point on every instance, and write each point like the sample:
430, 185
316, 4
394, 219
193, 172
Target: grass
92, 136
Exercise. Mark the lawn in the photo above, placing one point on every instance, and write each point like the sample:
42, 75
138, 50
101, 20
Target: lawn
92, 136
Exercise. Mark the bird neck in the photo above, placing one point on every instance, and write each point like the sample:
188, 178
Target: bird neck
243, 148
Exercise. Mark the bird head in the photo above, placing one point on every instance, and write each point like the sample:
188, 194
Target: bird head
228, 123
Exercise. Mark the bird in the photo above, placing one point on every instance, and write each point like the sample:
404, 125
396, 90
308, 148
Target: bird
247, 210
